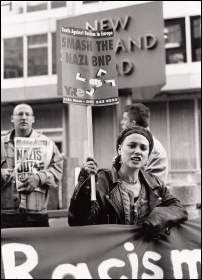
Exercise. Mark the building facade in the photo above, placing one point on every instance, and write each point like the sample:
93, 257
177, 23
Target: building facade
29, 75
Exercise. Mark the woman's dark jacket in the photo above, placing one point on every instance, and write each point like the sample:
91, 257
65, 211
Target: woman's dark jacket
164, 209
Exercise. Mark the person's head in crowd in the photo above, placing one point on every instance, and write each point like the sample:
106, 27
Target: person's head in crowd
134, 145
22, 119
136, 114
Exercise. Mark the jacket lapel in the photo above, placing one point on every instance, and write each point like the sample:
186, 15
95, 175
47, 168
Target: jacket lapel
153, 185
114, 197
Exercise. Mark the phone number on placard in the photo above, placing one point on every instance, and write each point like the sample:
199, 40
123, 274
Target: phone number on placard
101, 101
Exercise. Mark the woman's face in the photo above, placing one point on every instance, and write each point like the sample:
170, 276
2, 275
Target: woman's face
134, 151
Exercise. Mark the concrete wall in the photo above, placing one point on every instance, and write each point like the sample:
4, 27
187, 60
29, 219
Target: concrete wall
188, 194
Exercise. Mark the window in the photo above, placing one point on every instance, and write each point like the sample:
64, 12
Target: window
54, 62
34, 6
87, 2
6, 113
175, 43
48, 115
13, 58
199, 121
158, 120
11, 8
57, 4
177, 134
37, 55
182, 135
59, 146
196, 38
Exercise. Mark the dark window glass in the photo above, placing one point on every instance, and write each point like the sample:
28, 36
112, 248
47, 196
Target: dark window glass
48, 115
57, 4
199, 120
37, 55
6, 113
196, 38
34, 6
59, 146
13, 58
175, 43
87, 2
54, 63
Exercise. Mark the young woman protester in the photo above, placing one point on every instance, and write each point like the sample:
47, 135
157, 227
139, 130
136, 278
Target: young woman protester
126, 194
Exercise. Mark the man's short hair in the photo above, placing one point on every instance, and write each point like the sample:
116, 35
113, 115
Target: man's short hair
139, 113
22, 104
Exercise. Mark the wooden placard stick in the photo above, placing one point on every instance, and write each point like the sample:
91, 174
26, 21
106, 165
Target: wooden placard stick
90, 148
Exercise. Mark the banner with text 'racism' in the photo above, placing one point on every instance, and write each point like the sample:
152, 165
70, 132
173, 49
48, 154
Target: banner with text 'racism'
101, 252
88, 67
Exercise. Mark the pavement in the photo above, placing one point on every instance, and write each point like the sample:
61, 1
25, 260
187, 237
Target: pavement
58, 222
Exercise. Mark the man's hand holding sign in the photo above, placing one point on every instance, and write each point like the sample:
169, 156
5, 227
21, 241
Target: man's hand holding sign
29, 184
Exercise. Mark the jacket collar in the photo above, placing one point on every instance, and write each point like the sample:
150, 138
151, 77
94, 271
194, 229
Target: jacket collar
9, 137
152, 181
114, 175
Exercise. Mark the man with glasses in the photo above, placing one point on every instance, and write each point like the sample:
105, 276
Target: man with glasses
27, 205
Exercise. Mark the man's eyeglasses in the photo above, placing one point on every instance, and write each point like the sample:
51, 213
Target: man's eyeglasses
22, 114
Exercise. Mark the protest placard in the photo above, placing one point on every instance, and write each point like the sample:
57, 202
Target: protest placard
88, 73
37, 157
118, 252
88, 67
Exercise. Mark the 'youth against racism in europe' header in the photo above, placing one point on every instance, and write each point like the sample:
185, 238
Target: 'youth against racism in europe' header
88, 67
